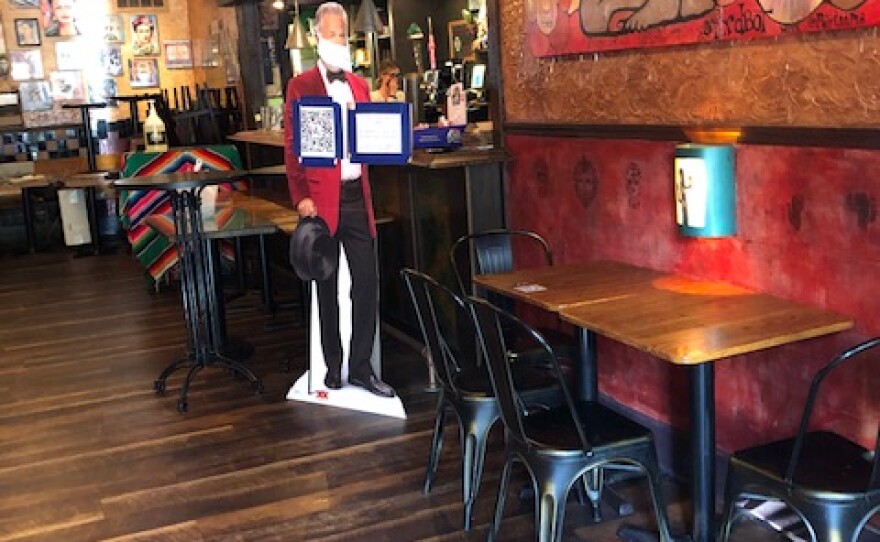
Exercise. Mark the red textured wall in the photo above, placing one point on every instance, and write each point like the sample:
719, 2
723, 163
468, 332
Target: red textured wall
807, 231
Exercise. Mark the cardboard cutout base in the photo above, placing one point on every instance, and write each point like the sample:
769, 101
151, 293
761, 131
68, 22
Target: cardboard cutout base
310, 387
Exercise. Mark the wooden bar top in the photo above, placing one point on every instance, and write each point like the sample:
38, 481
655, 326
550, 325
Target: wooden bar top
271, 138
465, 156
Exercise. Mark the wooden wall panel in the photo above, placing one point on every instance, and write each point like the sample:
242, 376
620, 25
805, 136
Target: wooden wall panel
830, 80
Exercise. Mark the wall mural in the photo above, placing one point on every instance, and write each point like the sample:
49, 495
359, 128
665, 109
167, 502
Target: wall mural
559, 27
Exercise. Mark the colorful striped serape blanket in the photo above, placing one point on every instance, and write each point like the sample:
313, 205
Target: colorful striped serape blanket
155, 251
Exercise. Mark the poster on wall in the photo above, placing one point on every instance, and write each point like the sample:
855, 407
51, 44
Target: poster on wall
563, 27
178, 54
59, 18
66, 85
144, 35
111, 60
26, 65
68, 55
143, 72
114, 29
35, 96
24, 4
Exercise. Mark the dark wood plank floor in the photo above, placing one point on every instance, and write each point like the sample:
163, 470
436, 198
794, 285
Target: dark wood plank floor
89, 452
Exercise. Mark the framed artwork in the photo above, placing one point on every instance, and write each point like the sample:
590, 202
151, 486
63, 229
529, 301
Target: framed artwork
114, 29
111, 60
461, 40
178, 54
26, 65
59, 18
102, 90
68, 55
143, 72
2, 40
24, 4
144, 35
35, 96
27, 32
67, 85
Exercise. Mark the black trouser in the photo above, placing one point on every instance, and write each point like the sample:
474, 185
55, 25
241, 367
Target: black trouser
354, 235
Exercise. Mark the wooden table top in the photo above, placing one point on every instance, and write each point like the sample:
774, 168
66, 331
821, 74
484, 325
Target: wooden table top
681, 320
556, 287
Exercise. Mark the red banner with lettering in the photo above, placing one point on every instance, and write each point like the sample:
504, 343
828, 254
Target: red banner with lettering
562, 27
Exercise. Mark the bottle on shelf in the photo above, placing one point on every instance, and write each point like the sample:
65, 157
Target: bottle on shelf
155, 139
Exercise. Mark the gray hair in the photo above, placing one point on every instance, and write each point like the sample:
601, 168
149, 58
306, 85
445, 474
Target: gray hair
330, 7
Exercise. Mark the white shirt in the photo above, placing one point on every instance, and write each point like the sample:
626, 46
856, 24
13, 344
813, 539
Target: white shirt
340, 93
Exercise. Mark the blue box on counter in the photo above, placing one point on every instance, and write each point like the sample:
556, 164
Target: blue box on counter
448, 137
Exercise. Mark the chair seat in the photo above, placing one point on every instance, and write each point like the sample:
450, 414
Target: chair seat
602, 426
829, 463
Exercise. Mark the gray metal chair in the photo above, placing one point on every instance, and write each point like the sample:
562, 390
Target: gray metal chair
560, 445
464, 386
830, 482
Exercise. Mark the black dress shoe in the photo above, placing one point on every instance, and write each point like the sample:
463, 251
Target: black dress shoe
333, 380
373, 385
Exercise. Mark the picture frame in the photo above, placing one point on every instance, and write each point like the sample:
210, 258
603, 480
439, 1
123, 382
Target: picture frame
380, 133
60, 18
68, 55
114, 29
317, 121
67, 85
26, 65
143, 72
27, 32
24, 4
461, 40
178, 54
111, 60
35, 96
144, 35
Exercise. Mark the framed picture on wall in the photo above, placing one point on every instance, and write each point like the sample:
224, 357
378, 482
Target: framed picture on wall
68, 55
114, 29
35, 95
24, 4
461, 40
26, 65
67, 85
178, 54
111, 60
143, 72
27, 32
102, 89
144, 35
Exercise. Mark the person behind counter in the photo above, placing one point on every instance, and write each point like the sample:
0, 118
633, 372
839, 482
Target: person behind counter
341, 196
389, 83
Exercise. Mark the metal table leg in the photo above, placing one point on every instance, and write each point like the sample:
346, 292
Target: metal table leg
702, 413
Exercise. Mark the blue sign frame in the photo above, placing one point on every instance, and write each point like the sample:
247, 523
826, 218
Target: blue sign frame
321, 103
403, 111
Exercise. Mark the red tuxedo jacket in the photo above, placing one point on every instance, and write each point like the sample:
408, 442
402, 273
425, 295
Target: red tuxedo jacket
321, 184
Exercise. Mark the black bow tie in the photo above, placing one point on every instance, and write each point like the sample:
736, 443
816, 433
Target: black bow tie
336, 76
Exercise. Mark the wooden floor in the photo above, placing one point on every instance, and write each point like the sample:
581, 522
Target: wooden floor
89, 452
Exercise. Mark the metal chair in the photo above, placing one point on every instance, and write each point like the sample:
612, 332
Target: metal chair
560, 445
464, 386
830, 482
492, 251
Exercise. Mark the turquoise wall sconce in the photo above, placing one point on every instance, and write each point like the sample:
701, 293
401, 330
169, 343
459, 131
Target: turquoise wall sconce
705, 191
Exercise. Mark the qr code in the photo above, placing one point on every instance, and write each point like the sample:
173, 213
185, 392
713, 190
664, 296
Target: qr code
317, 134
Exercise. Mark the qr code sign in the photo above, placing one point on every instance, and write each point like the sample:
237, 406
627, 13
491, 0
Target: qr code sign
316, 132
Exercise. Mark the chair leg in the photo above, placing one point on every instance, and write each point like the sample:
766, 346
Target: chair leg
473, 451
503, 485
436, 444
594, 482
655, 484
551, 510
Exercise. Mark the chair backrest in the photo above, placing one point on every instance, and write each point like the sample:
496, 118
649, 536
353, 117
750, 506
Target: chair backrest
823, 373
491, 322
432, 302
492, 252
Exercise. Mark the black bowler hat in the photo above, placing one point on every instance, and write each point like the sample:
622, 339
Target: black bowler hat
313, 250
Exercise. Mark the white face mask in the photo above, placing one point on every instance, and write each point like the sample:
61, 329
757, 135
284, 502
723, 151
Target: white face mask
333, 55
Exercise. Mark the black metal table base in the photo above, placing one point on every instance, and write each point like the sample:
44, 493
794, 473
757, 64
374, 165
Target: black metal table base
194, 366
